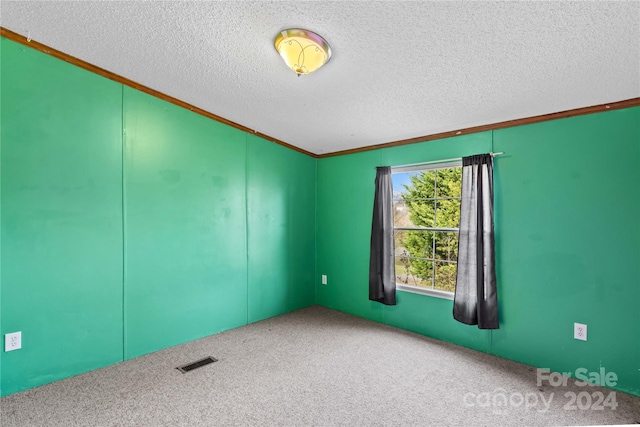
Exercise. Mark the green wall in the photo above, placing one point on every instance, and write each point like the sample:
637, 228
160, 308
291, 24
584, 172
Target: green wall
129, 224
281, 211
567, 209
185, 225
61, 218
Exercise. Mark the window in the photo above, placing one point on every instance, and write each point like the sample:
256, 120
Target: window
426, 206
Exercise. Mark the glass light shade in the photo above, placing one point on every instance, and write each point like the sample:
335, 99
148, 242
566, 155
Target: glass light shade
302, 50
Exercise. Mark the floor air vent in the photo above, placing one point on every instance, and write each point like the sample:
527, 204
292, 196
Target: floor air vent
195, 365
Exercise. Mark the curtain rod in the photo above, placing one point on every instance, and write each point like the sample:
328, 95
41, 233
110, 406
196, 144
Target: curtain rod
434, 162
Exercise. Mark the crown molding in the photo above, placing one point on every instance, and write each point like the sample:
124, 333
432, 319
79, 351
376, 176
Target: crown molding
8, 34
627, 103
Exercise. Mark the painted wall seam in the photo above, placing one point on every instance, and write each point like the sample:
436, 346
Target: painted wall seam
246, 219
124, 225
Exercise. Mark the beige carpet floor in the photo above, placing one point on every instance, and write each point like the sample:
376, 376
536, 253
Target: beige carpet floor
313, 367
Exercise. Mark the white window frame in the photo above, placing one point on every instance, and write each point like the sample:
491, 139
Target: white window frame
419, 168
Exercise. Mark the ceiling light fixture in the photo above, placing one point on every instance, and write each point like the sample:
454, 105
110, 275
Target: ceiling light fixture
302, 50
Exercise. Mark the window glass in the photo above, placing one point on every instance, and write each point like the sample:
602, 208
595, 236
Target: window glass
426, 209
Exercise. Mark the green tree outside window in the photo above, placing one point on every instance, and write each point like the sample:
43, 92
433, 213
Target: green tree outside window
427, 258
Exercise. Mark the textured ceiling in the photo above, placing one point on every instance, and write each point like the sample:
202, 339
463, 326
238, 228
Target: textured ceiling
399, 69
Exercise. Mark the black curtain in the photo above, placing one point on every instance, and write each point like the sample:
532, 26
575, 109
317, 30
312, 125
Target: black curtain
382, 276
476, 301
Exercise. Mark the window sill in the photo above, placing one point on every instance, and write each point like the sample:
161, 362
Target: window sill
424, 291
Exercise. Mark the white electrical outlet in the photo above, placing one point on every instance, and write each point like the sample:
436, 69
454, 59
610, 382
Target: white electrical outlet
580, 331
13, 341
324, 279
